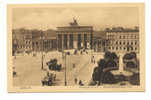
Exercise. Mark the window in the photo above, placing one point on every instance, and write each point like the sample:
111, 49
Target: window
59, 41
71, 41
116, 48
116, 42
131, 36
65, 41
79, 41
127, 43
85, 40
120, 37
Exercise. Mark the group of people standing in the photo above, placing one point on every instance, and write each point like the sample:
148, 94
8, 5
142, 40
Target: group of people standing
79, 83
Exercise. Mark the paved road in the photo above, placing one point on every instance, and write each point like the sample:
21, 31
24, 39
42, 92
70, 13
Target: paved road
29, 71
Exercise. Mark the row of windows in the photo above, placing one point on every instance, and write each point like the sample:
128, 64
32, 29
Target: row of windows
36, 43
122, 48
29, 47
22, 47
27, 42
123, 36
123, 42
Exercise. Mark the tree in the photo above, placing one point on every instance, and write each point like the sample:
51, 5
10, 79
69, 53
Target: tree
130, 56
131, 64
101, 63
111, 63
95, 75
107, 55
108, 78
113, 55
97, 72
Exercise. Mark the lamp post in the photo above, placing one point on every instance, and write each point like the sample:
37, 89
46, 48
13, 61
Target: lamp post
64, 59
65, 72
42, 44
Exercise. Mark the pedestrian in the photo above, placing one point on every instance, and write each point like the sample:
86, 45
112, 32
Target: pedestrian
54, 77
73, 65
48, 74
80, 83
75, 80
94, 61
81, 52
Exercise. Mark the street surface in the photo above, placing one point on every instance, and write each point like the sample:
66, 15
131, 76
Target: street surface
79, 66
29, 71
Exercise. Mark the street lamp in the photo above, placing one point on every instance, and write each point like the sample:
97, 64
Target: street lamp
65, 74
42, 43
14, 47
64, 57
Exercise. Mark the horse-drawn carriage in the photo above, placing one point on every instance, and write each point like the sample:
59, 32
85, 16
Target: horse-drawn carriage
49, 80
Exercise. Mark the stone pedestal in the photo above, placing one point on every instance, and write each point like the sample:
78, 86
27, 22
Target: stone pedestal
121, 66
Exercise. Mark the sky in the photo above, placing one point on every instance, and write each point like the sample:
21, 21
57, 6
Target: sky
52, 17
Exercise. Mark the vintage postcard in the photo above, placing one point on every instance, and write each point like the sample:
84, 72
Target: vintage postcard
76, 47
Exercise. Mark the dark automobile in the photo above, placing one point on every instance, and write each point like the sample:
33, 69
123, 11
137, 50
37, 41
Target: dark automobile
52, 65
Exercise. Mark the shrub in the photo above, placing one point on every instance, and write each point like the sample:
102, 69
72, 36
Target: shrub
131, 64
111, 63
102, 63
135, 79
130, 56
108, 78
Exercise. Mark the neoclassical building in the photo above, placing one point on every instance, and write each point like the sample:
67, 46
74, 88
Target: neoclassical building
74, 37
99, 45
24, 40
122, 40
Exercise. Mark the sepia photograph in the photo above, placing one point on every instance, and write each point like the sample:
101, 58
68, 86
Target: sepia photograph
81, 47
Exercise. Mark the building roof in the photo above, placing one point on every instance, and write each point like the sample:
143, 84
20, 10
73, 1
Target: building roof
121, 29
74, 28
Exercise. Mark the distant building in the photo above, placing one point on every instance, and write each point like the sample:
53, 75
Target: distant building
74, 37
32, 40
122, 40
27, 40
42, 41
99, 44
21, 39
99, 41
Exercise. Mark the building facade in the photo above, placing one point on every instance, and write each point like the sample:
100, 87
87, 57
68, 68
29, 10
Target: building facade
22, 40
74, 37
122, 40
32, 40
99, 45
